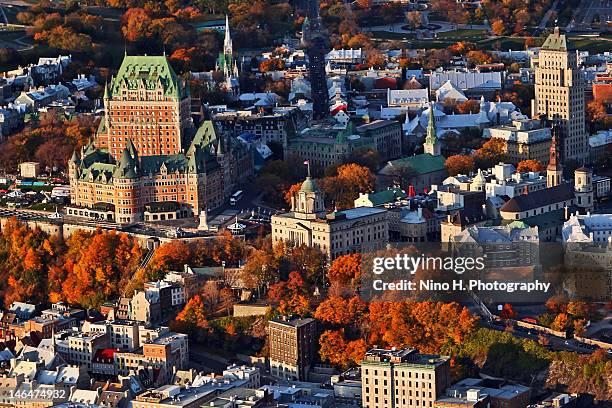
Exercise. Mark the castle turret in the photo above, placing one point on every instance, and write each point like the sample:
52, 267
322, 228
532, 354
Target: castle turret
126, 181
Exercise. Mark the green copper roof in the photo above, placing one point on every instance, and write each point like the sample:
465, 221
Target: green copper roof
148, 73
309, 186
205, 134
172, 163
422, 163
431, 137
386, 196
557, 42
127, 166
100, 172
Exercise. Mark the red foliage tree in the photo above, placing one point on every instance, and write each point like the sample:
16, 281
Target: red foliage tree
459, 164
529, 165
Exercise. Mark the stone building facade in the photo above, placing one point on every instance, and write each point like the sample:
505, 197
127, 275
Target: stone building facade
148, 162
559, 94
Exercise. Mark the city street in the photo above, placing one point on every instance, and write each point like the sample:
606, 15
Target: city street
587, 12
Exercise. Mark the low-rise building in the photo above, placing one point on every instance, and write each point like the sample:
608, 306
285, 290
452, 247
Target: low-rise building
504, 396
407, 99
335, 234
538, 202
292, 347
601, 187
11, 120
278, 125
514, 185
524, 139
403, 378
29, 169
600, 145
327, 143
40, 98
471, 83
80, 348
420, 171
380, 198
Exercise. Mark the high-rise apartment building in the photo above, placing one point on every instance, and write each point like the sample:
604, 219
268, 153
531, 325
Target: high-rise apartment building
403, 378
292, 347
559, 94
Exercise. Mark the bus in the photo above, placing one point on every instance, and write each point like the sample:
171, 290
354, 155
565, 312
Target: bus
236, 197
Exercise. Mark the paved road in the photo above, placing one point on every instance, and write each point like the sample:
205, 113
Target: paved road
444, 26
546, 18
587, 11
556, 343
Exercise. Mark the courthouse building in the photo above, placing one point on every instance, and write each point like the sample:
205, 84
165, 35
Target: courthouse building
338, 233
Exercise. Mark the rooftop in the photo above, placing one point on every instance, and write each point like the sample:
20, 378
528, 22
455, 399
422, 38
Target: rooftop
293, 322
539, 198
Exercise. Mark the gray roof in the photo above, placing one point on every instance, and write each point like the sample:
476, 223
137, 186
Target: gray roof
539, 198
467, 80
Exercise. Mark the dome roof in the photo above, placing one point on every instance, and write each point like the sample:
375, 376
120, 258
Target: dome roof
479, 178
309, 186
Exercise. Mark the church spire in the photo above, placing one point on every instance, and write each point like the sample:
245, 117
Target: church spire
227, 57
432, 146
554, 170
227, 42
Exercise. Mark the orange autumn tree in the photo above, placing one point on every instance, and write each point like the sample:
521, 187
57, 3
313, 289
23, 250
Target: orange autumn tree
344, 187
193, 317
507, 312
459, 164
291, 296
345, 271
172, 255
291, 192
491, 153
427, 326
26, 256
529, 165
97, 265
339, 311
338, 351
561, 322
137, 25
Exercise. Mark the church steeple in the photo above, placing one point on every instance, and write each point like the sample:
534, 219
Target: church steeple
226, 56
431, 146
554, 170
227, 42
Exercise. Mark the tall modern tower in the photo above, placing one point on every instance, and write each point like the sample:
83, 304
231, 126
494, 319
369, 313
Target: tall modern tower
316, 44
559, 94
